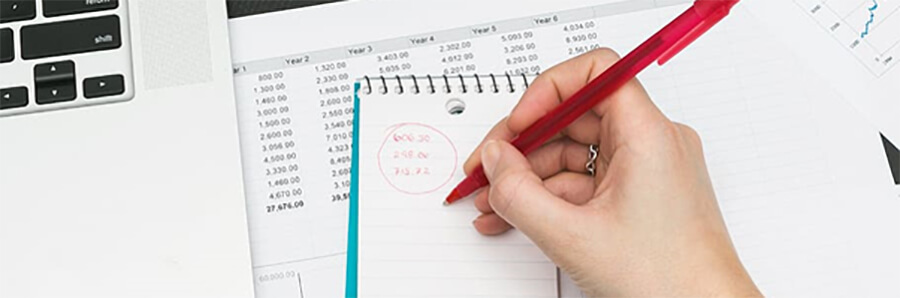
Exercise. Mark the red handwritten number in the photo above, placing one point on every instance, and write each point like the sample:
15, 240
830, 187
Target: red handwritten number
411, 155
412, 171
411, 138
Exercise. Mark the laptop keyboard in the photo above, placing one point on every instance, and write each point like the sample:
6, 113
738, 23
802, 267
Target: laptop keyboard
57, 54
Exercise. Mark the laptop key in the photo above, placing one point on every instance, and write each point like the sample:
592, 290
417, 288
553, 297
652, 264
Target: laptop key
54, 8
6, 45
16, 10
54, 82
71, 37
13, 98
104, 86
49, 73
55, 93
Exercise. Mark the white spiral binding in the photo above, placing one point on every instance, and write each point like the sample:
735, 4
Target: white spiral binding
461, 84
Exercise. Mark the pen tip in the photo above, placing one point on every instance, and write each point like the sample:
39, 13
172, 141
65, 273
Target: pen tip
454, 196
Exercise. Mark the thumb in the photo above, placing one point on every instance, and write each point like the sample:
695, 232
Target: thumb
518, 195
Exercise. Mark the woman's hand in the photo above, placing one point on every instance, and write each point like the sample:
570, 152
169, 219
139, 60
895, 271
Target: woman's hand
647, 224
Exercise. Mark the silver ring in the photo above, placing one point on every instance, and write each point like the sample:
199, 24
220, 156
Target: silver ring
593, 152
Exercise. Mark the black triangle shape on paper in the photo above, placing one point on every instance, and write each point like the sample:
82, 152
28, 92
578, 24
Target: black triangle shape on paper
893, 156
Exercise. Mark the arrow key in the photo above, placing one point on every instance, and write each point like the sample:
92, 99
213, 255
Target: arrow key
13, 98
104, 86
49, 73
54, 82
54, 93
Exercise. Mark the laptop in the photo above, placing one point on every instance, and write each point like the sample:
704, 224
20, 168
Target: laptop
120, 170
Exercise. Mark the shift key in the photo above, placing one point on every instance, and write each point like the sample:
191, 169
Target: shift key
71, 37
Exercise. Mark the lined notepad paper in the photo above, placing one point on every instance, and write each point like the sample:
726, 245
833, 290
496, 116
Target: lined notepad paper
411, 150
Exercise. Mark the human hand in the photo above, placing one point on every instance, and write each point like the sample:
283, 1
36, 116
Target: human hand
647, 224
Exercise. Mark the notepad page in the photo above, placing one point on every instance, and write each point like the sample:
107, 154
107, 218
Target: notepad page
410, 155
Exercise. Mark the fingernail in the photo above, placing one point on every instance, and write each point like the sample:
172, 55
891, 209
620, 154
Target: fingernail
489, 156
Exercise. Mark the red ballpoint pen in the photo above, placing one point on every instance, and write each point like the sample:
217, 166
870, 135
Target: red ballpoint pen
661, 47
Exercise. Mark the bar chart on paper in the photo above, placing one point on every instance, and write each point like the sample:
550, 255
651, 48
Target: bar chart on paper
867, 28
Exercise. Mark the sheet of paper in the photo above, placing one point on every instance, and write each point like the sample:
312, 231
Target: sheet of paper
853, 44
410, 152
792, 189
867, 247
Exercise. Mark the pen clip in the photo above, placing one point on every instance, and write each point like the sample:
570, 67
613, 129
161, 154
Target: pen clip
711, 12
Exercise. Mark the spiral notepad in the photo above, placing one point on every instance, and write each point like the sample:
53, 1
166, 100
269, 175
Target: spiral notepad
412, 135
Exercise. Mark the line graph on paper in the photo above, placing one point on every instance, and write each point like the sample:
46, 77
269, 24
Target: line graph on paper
871, 20
870, 29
